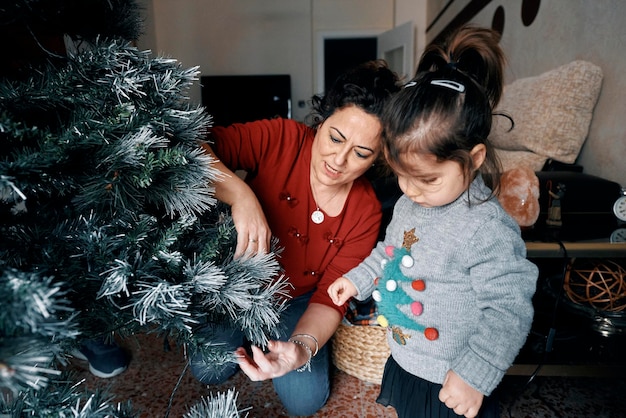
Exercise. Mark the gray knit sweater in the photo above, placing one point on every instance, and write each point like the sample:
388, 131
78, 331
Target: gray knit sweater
477, 295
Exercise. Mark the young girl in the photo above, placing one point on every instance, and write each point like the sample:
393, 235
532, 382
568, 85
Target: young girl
451, 279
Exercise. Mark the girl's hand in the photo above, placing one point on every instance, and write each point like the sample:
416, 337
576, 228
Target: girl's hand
253, 232
282, 358
459, 396
341, 290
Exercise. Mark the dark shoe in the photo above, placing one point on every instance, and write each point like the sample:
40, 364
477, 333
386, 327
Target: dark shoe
105, 360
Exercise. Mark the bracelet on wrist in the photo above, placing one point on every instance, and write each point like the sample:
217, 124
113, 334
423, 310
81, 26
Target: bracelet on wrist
306, 366
317, 346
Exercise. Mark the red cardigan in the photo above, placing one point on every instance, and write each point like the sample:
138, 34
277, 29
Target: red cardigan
276, 154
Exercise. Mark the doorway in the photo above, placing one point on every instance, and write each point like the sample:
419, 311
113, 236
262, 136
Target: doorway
337, 51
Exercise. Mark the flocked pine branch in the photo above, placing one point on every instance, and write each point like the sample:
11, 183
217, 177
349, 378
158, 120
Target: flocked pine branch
105, 193
220, 405
66, 399
36, 323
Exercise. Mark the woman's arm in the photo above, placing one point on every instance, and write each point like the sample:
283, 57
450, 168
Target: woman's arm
318, 321
253, 232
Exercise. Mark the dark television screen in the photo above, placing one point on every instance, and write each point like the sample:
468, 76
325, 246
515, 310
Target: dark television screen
243, 98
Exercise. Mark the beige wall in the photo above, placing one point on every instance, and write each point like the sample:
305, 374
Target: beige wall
281, 36
567, 30
259, 37
413, 11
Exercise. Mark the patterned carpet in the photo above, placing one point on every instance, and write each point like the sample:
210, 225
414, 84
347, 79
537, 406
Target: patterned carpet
547, 397
153, 374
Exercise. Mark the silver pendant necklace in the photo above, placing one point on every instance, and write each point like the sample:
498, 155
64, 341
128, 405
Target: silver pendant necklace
317, 216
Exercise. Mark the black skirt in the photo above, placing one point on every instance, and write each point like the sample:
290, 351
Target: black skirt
414, 397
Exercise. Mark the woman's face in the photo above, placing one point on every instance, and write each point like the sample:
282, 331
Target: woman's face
346, 145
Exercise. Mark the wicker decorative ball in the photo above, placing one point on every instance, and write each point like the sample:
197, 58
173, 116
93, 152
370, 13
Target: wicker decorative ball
598, 283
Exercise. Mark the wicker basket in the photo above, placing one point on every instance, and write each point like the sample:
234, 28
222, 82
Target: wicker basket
361, 351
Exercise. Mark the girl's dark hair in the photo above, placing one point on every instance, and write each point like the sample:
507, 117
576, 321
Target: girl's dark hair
432, 115
367, 86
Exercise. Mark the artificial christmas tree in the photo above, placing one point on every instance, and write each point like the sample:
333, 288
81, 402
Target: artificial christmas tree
107, 215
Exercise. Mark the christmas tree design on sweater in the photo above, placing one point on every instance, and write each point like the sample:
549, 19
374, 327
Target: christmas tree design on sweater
390, 294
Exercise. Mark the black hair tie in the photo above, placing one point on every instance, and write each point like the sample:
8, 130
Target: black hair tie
453, 65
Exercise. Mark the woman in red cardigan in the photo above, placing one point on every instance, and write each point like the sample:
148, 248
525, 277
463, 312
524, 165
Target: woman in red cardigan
304, 186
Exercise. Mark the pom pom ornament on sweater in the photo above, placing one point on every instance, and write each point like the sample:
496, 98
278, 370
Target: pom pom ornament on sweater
390, 294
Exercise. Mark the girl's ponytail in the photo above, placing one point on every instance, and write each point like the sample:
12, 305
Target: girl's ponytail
474, 52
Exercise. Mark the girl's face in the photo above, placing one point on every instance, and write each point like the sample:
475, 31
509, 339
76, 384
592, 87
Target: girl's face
346, 145
430, 183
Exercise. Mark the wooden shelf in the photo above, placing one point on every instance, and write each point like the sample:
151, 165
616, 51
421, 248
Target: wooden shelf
568, 370
600, 249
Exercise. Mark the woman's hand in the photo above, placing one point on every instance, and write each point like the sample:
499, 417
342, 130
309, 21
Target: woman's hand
315, 327
341, 290
459, 396
282, 358
253, 232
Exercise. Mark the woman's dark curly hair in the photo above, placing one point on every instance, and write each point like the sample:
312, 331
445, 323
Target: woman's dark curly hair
367, 86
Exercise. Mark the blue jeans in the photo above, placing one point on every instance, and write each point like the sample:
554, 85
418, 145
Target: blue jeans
301, 393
